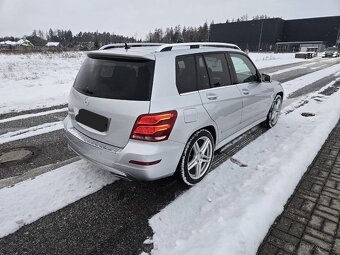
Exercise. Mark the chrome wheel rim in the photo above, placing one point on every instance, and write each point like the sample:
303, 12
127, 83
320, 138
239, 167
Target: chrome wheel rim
200, 157
275, 113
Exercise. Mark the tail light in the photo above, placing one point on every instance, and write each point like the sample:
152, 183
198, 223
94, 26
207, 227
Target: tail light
154, 127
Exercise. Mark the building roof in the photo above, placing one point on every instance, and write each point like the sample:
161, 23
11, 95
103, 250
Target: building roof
301, 42
21, 42
52, 44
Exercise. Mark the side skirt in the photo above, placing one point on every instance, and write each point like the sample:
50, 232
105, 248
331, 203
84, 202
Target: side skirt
237, 134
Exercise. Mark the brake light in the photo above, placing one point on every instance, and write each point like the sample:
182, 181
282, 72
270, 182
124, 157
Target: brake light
154, 127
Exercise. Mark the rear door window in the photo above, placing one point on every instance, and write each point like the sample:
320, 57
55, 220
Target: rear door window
186, 74
202, 73
218, 70
244, 69
123, 79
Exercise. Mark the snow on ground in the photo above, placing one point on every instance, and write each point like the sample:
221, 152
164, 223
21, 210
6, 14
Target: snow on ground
27, 201
303, 65
231, 210
303, 81
263, 60
36, 80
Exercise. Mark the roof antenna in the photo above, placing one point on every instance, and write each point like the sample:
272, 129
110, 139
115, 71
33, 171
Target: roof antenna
126, 46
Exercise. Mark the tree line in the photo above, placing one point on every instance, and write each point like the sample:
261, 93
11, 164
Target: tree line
169, 35
245, 18
177, 34
69, 40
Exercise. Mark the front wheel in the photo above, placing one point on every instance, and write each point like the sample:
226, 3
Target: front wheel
274, 112
197, 157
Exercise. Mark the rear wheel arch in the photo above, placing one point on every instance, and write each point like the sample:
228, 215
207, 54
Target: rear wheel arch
212, 131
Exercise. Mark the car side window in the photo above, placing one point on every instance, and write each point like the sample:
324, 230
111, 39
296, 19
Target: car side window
218, 70
245, 70
186, 74
202, 73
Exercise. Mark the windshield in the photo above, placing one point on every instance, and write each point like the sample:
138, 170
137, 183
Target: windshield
124, 79
331, 49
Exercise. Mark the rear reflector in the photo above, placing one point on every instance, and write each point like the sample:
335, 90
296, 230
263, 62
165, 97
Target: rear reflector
140, 163
154, 127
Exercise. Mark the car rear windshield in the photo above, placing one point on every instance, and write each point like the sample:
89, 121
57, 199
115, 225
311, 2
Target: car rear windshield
331, 49
123, 79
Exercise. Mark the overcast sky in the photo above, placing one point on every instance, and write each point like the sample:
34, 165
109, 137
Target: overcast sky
137, 18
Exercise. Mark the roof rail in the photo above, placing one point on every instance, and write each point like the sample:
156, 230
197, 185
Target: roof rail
131, 45
195, 45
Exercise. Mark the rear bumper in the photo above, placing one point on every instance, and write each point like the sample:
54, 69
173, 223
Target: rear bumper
117, 159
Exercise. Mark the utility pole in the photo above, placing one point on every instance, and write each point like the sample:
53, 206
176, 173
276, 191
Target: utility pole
337, 42
259, 47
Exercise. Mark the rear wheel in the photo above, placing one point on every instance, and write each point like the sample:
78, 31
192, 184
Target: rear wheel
274, 112
197, 157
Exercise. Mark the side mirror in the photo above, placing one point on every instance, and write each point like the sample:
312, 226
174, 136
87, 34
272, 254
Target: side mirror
266, 78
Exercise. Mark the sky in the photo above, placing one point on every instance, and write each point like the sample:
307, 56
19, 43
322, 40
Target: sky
137, 18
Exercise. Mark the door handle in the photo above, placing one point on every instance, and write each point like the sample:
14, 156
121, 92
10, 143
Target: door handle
245, 91
211, 96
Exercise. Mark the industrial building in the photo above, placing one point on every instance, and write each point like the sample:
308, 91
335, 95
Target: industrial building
279, 35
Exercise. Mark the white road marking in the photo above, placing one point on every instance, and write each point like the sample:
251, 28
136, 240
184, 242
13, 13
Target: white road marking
32, 131
31, 115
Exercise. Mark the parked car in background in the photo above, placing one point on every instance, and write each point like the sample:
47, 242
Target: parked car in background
331, 52
148, 111
311, 52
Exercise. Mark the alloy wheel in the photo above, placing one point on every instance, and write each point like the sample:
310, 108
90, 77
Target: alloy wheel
200, 157
276, 111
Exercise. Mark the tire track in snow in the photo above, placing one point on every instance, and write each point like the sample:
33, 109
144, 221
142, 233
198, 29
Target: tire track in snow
29, 132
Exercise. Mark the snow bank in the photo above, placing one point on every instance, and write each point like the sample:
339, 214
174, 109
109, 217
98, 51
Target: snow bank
29, 200
232, 209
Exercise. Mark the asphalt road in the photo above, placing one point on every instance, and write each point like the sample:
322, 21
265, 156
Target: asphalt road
113, 220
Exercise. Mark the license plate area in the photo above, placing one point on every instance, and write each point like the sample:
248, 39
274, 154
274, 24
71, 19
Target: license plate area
93, 120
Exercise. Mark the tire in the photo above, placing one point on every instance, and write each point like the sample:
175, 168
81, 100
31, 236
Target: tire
274, 112
197, 157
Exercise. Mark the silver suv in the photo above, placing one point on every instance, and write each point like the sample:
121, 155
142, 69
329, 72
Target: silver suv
147, 111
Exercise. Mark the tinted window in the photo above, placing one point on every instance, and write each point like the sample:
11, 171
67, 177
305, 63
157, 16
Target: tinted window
218, 70
331, 49
202, 74
116, 79
185, 74
245, 70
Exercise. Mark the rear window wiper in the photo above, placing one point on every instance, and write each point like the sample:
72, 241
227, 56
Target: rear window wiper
89, 92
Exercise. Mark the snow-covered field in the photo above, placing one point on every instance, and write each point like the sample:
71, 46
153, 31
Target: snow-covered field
263, 60
38, 80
